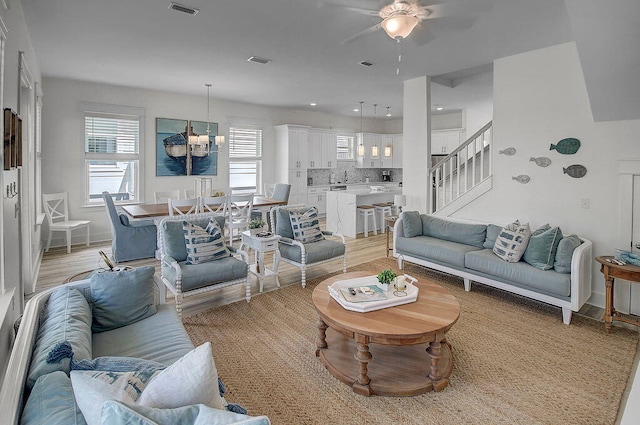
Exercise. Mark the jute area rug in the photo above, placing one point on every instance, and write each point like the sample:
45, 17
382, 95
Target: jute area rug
515, 362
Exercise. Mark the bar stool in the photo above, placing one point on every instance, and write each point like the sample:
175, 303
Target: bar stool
384, 209
367, 211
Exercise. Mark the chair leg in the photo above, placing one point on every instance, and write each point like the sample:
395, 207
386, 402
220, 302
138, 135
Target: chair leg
248, 290
48, 242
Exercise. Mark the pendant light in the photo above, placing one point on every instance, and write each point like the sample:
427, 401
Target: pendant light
361, 146
387, 149
374, 148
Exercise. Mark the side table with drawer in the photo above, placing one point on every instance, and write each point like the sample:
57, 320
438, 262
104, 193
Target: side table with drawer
262, 245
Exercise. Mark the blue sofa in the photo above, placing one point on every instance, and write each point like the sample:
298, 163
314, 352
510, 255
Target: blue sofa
38, 385
465, 249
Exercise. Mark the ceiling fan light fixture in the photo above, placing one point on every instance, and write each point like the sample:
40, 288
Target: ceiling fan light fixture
399, 25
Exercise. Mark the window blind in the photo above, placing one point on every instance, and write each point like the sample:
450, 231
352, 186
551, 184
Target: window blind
245, 142
111, 135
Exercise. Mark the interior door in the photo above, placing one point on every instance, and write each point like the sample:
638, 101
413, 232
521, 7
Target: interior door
11, 235
635, 243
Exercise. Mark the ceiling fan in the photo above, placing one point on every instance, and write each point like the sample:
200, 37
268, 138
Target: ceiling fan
400, 18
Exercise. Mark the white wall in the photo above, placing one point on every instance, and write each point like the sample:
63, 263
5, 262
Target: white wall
62, 136
539, 99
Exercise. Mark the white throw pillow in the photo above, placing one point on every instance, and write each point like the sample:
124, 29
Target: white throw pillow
512, 241
93, 388
193, 379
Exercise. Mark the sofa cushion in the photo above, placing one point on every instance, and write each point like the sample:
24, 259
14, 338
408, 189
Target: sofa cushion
117, 413
52, 402
66, 317
411, 224
520, 274
315, 252
93, 388
541, 250
434, 249
122, 297
173, 236
492, 234
196, 276
466, 233
305, 225
564, 253
192, 379
512, 241
204, 245
161, 338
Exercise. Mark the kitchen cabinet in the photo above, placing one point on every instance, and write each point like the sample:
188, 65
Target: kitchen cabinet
292, 153
317, 197
368, 160
298, 181
445, 141
323, 149
381, 141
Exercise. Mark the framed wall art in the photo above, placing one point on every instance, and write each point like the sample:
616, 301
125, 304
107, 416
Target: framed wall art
183, 148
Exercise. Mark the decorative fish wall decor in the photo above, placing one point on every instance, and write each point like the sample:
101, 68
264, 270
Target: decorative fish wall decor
522, 178
576, 171
567, 146
508, 151
541, 161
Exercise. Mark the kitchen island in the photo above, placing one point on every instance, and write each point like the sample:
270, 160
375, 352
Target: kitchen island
342, 216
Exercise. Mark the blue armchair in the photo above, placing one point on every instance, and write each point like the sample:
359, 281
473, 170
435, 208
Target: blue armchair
304, 255
130, 240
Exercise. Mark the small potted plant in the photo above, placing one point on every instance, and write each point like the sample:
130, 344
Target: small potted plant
256, 226
385, 279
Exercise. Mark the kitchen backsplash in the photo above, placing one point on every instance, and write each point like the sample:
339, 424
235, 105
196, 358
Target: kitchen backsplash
353, 174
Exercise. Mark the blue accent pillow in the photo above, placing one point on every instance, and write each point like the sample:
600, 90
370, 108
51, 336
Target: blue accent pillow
173, 236
411, 224
66, 317
305, 225
465, 233
117, 413
122, 297
283, 223
52, 402
492, 234
541, 250
204, 245
564, 253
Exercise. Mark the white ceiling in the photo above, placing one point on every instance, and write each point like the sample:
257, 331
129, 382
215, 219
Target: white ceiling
144, 44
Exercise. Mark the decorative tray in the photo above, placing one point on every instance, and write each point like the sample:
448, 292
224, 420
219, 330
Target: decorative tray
341, 290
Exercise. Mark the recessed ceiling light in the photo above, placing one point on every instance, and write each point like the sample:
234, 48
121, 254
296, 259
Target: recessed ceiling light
439, 108
313, 104
356, 109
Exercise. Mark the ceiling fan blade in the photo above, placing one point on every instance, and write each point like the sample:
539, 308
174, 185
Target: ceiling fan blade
421, 36
360, 10
461, 7
368, 31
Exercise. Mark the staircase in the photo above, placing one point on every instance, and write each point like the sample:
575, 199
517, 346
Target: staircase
463, 175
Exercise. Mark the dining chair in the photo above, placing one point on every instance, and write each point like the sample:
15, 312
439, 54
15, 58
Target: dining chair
280, 192
56, 207
268, 189
213, 204
189, 193
238, 213
177, 206
163, 196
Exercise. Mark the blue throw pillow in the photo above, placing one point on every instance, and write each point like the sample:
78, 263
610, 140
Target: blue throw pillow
411, 224
52, 402
305, 225
122, 297
492, 234
204, 245
541, 250
116, 413
564, 253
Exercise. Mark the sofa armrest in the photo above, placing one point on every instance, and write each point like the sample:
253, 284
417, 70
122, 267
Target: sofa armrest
239, 252
335, 235
581, 263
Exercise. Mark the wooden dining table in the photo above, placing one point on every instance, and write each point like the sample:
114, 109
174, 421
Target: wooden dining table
261, 203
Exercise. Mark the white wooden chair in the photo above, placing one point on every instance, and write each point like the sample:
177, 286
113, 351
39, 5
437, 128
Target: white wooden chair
214, 204
163, 196
189, 193
177, 206
56, 207
238, 213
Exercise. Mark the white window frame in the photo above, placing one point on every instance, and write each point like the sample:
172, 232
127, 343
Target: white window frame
249, 124
116, 111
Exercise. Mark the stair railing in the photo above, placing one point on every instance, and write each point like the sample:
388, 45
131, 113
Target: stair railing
464, 168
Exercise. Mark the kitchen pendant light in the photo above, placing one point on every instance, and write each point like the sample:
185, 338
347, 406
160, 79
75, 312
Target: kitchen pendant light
374, 148
361, 146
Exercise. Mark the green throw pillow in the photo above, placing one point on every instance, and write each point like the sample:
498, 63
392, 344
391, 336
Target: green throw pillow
541, 250
564, 254
122, 297
411, 224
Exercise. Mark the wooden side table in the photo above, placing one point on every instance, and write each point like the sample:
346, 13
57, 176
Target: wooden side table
262, 245
390, 221
611, 271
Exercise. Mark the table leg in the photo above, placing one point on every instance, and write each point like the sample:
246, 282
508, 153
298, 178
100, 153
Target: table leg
363, 356
276, 264
608, 313
388, 231
322, 336
260, 267
440, 363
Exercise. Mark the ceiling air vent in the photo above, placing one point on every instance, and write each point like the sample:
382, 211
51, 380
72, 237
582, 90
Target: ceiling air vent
184, 9
366, 63
256, 59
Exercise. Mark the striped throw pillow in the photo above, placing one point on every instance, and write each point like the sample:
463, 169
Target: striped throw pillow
305, 225
512, 241
204, 244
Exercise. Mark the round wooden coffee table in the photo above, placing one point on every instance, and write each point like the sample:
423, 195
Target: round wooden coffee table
396, 351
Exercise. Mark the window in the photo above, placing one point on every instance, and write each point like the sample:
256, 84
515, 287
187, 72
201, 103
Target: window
346, 147
245, 158
112, 156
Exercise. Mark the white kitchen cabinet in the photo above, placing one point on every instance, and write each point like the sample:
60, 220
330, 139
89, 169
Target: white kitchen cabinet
292, 156
397, 151
323, 149
386, 150
298, 181
382, 141
317, 197
443, 142
368, 160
